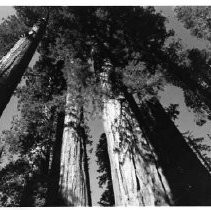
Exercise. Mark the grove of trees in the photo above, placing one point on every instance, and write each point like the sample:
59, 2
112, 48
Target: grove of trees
112, 61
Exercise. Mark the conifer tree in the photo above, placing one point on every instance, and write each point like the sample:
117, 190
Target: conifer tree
107, 198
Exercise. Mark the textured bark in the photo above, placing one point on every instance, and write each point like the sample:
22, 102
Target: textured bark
14, 64
136, 182
189, 180
123, 175
73, 180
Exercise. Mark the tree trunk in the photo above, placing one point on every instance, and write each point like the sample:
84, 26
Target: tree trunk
27, 199
53, 183
136, 182
84, 136
123, 174
73, 180
189, 180
130, 171
14, 64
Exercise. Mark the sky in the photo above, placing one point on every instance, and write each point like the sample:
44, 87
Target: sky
171, 94
5, 11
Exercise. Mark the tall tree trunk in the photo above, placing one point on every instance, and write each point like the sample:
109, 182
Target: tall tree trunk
123, 175
73, 180
82, 132
189, 180
54, 176
136, 181
14, 64
47, 160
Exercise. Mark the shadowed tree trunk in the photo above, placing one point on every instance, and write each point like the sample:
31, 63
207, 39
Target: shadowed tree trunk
53, 183
84, 136
14, 64
46, 162
27, 199
189, 180
74, 190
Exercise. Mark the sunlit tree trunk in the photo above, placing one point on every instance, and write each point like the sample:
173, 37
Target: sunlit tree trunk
74, 190
136, 182
14, 64
123, 174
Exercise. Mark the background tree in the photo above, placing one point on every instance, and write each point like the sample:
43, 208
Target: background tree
107, 198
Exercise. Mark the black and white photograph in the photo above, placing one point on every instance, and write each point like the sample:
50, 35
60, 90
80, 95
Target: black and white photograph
105, 105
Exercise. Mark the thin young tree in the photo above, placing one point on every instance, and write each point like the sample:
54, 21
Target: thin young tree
107, 197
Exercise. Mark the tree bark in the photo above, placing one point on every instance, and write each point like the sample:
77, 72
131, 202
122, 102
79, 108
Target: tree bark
136, 182
14, 64
189, 180
73, 178
123, 175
